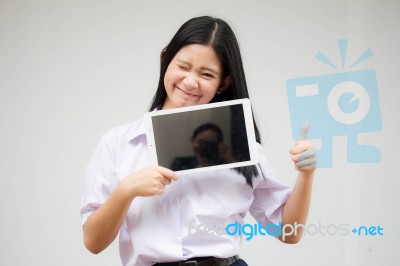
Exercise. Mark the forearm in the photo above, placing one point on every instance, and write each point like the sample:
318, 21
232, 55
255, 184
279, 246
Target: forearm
297, 206
103, 225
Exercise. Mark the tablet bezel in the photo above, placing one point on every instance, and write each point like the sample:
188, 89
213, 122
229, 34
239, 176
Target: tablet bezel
248, 119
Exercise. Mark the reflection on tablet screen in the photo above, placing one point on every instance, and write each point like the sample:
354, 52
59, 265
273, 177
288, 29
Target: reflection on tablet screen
201, 138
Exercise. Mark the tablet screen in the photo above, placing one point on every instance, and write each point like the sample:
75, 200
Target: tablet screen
203, 137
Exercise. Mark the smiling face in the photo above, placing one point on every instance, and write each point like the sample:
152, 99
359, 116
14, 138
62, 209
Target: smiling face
193, 77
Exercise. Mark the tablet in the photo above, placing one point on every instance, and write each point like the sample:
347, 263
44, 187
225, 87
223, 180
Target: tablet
203, 137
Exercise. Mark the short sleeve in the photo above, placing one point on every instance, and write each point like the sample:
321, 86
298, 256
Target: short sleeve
100, 177
270, 194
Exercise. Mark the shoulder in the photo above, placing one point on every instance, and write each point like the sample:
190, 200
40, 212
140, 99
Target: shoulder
263, 162
118, 138
127, 131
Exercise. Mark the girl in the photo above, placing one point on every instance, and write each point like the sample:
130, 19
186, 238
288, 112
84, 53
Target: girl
160, 217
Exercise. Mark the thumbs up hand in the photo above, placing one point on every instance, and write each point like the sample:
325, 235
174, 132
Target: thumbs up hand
303, 153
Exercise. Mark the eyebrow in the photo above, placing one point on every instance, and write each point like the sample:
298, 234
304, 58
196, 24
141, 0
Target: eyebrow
203, 68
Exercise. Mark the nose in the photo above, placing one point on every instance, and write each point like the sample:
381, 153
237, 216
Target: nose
190, 82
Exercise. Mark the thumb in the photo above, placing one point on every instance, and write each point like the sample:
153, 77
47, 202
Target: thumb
304, 130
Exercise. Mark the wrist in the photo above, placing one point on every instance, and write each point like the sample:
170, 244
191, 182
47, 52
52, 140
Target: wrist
126, 188
307, 174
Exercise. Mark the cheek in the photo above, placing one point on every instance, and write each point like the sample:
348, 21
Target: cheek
171, 76
167, 78
210, 91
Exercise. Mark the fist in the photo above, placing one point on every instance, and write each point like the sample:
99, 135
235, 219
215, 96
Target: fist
303, 153
150, 181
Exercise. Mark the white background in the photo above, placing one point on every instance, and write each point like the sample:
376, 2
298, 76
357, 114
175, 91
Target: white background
70, 70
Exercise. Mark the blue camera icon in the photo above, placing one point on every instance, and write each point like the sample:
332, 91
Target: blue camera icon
340, 104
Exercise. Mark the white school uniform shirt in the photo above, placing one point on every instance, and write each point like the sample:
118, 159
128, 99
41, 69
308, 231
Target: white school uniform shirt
189, 218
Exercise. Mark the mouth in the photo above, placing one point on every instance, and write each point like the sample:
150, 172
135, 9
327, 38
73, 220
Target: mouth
187, 93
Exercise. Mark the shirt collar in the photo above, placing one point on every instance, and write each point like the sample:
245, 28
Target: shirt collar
137, 129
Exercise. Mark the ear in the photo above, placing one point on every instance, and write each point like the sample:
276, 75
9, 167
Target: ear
224, 84
162, 54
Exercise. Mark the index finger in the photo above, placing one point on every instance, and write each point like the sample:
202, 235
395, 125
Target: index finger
304, 130
168, 173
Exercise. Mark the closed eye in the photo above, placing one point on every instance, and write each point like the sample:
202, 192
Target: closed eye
182, 67
208, 75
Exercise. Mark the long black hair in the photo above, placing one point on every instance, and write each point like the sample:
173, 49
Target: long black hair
217, 34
